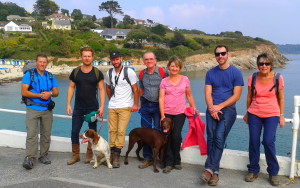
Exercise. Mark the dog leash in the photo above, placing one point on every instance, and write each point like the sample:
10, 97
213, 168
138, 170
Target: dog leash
101, 123
152, 126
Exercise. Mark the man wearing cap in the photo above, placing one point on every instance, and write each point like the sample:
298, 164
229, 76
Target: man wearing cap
88, 82
122, 91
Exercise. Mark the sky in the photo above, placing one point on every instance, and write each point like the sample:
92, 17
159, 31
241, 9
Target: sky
274, 20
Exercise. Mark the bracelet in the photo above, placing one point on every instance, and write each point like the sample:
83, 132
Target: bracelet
281, 114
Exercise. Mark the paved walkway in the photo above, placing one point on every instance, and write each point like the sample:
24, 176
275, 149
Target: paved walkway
59, 174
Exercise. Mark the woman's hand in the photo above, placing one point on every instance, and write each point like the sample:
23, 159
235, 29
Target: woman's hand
281, 121
245, 118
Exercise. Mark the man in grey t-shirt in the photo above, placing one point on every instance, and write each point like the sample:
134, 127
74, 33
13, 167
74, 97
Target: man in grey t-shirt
149, 81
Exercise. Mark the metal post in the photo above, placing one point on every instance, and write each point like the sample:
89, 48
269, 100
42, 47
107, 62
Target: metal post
295, 135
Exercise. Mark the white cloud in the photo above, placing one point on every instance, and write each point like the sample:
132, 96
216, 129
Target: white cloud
154, 13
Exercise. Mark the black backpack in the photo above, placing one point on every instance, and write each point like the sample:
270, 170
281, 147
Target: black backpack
275, 86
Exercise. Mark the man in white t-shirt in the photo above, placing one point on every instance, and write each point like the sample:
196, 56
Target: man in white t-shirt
122, 92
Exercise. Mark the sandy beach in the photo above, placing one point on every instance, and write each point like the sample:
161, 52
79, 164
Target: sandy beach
9, 73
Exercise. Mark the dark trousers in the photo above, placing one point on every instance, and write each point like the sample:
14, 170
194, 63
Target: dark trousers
149, 111
77, 121
172, 151
256, 124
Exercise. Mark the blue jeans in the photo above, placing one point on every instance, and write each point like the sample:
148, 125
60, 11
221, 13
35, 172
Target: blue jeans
77, 121
150, 111
256, 124
217, 132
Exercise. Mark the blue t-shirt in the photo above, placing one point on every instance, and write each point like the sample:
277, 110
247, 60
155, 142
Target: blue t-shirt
223, 82
40, 84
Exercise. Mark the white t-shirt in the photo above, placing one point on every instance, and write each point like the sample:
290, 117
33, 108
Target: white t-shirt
123, 96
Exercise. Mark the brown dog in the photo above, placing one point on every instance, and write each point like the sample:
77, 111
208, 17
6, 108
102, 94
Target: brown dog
154, 138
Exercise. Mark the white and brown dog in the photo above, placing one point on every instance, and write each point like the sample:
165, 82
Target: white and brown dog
100, 147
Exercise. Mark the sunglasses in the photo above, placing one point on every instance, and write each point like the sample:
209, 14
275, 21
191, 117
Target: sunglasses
262, 64
217, 54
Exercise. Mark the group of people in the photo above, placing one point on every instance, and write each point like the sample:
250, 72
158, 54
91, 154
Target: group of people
157, 92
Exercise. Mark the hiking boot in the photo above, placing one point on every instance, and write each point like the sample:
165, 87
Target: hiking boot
116, 160
28, 163
75, 153
167, 169
274, 180
44, 159
250, 177
205, 177
145, 164
213, 180
178, 167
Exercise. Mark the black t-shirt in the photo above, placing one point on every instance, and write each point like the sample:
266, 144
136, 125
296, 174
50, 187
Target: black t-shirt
86, 89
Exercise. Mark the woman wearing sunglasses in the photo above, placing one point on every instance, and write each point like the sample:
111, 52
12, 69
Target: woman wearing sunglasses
265, 107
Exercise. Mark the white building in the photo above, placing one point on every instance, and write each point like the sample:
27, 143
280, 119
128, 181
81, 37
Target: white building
20, 27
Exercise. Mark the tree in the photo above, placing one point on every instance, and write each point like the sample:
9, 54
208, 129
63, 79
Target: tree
127, 20
45, 8
65, 12
112, 8
177, 40
76, 14
94, 18
9, 8
159, 29
107, 22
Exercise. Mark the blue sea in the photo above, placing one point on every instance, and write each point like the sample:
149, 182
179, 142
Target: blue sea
238, 138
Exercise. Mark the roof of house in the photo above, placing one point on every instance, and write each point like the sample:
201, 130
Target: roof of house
57, 15
61, 22
113, 32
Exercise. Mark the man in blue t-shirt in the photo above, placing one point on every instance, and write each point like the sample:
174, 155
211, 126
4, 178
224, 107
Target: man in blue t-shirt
223, 87
38, 86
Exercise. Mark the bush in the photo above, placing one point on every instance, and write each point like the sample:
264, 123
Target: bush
181, 51
161, 54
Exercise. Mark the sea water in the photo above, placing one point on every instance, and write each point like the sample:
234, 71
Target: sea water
238, 138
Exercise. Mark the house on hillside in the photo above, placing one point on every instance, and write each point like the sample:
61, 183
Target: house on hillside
19, 18
61, 24
2, 24
97, 30
17, 27
115, 34
87, 17
57, 16
140, 22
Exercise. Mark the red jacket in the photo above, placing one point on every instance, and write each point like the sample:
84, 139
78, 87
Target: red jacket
195, 135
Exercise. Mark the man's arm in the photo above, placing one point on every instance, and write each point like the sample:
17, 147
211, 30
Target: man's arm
135, 106
102, 98
26, 93
70, 94
209, 102
237, 91
108, 88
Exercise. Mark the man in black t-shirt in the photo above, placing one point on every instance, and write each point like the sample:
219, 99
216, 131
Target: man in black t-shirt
88, 81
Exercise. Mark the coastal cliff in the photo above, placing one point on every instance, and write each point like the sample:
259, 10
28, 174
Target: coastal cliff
242, 59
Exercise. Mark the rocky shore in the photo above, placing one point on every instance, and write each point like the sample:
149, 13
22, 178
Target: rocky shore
243, 59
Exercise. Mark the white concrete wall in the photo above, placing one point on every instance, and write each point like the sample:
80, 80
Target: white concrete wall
231, 159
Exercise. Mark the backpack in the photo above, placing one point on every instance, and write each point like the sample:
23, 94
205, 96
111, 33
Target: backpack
95, 69
160, 70
125, 75
32, 71
275, 86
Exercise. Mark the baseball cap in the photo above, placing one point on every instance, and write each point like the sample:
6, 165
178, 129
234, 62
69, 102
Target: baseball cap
115, 54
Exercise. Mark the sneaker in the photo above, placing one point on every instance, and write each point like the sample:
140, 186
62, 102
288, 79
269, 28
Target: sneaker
178, 167
213, 180
250, 177
274, 180
44, 159
167, 169
145, 164
28, 163
205, 177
